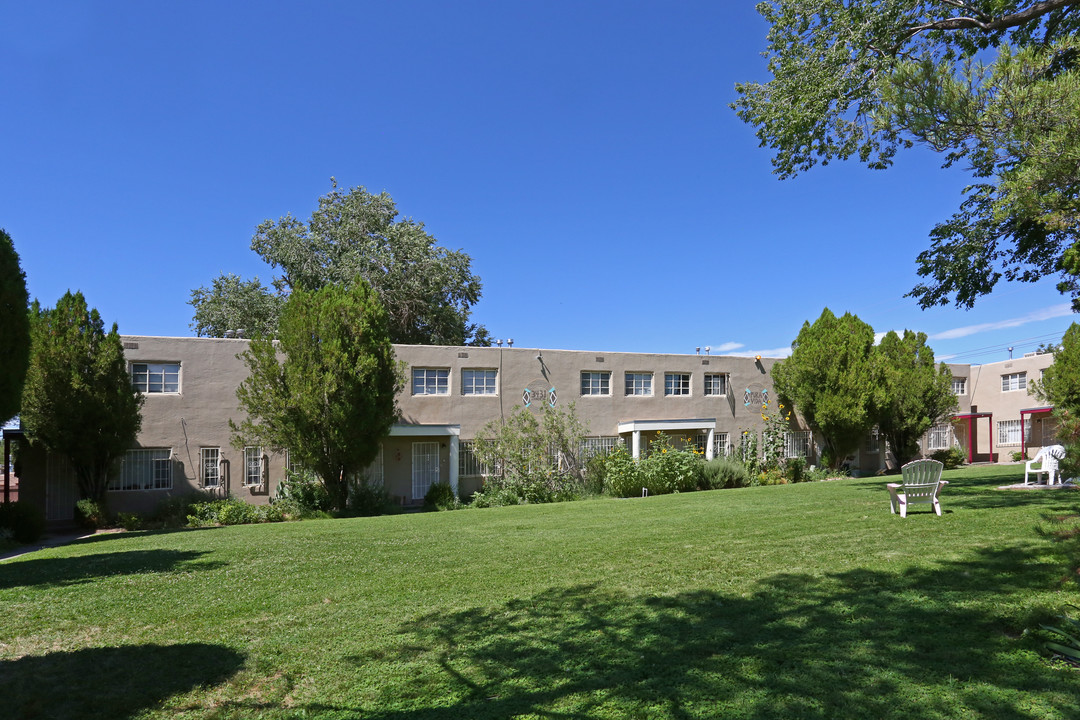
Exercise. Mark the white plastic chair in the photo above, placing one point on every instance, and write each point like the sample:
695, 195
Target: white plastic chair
921, 484
1047, 459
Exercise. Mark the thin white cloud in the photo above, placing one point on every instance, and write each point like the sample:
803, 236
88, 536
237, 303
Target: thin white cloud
727, 347
1054, 311
879, 335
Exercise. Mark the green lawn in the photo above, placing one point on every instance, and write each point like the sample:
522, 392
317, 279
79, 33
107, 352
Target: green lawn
801, 601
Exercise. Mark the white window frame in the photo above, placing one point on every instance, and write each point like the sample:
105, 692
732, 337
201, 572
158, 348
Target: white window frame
430, 381
477, 381
1014, 381
797, 443
720, 446
424, 477
959, 386
638, 384
254, 466
144, 469
156, 378
712, 379
872, 443
595, 383
210, 465
469, 464
677, 384
1010, 432
939, 437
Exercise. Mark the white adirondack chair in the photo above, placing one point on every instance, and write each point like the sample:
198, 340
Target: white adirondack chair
921, 484
1047, 459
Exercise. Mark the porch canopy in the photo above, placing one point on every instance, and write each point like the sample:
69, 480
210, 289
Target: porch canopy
971, 418
1029, 413
690, 425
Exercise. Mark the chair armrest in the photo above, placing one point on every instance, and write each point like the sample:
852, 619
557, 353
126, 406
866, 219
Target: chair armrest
894, 485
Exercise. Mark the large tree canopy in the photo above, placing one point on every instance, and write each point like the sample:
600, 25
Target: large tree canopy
829, 379
331, 398
911, 392
14, 329
78, 400
428, 291
991, 84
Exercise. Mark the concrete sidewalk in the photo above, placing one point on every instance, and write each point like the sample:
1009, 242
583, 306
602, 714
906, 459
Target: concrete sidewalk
45, 542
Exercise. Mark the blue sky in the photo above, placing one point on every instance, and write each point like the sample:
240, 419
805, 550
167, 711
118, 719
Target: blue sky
583, 153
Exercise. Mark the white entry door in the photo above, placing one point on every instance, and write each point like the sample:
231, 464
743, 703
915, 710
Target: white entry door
425, 467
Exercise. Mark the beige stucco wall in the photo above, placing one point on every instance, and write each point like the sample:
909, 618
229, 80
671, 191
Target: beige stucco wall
987, 396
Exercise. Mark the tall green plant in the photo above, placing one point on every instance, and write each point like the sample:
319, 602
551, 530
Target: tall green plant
911, 393
829, 379
78, 400
1060, 387
330, 398
14, 329
535, 458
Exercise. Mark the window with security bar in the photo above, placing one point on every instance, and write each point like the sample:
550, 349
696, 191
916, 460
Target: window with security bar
144, 469
210, 459
939, 437
797, 444
593, 446
253, 466
469, 464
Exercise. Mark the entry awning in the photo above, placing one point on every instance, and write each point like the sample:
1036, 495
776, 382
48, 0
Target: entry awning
1029, 412
687, 425
971, 418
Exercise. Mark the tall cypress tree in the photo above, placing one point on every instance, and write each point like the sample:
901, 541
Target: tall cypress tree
78, 400
14, 329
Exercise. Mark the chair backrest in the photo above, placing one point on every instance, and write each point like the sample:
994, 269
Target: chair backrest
921, 472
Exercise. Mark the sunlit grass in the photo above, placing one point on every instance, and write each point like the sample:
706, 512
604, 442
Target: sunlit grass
792, 601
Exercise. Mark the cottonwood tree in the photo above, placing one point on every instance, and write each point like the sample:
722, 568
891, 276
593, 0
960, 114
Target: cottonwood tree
78, 400
232, 304
829, 379
993, 85
14, 328
911, 393
428, 291
325, 390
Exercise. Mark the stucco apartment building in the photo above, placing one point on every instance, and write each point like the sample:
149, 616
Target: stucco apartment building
451, 393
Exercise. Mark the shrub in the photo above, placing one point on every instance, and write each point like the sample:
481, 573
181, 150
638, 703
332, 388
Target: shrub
495, 496
22, 522
440, 496
667, 470
172, 512
595, 473
366, 499
129, 521
795, 469
952, 458
304, 488
724, 473
232, 511
1017, 456
621, 476
90, 515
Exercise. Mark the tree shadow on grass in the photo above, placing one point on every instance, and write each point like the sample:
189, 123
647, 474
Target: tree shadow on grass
927, 644
108, 683
80, 569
